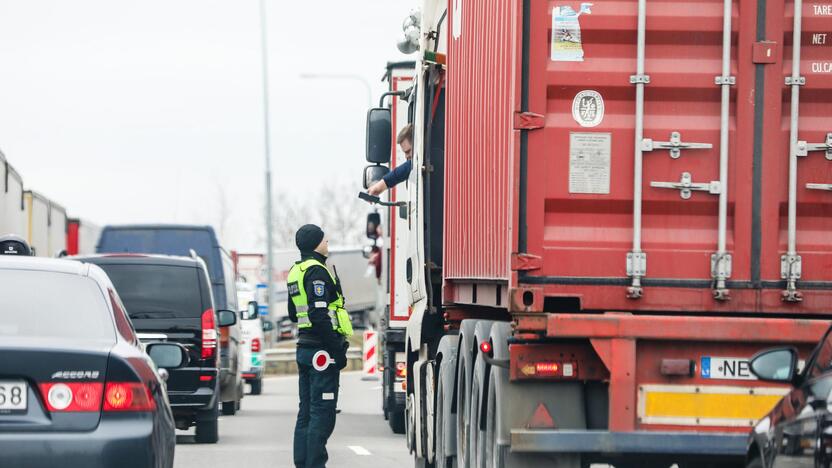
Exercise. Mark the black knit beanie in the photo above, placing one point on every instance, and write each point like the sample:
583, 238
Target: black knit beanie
308, 237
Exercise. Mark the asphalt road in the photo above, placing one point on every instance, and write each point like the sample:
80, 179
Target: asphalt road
260, 434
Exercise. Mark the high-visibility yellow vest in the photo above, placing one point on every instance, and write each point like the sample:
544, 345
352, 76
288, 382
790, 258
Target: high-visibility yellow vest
338, 315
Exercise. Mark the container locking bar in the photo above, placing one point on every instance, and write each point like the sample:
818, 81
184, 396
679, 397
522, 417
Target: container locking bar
636, 259
675, 145
686, 186
790, 262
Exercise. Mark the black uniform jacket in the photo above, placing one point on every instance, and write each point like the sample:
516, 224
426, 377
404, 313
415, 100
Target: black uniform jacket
320, 291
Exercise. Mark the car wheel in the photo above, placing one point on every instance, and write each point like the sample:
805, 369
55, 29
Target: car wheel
207, 426
257, 387
229, 408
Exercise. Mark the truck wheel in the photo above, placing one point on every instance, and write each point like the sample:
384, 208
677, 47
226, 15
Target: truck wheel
396, 421
463, 398
257, 386
229, 408
476, 446
207, 426
441, 460
493, 456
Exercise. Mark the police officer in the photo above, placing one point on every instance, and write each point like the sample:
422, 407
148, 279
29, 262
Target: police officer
317, 305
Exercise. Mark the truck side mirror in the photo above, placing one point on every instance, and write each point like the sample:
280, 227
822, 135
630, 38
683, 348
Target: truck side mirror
373, 174
379, 135
373, 222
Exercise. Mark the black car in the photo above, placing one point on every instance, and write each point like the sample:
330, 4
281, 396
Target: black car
76, 386
798, 431
186, 240
169, 299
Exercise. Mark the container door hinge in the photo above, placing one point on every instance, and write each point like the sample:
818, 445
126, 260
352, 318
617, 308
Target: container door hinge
790, 270
675, 145
528, 121
525, 262
686, 186
636, 264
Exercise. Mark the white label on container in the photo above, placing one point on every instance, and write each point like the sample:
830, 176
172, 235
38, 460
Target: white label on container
588, 108
823, 10
589, 162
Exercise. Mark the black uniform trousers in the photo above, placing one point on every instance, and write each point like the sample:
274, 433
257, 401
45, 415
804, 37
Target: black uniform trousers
316, 414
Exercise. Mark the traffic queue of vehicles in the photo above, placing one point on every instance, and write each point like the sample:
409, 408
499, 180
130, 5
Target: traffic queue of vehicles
105, 355
603, 229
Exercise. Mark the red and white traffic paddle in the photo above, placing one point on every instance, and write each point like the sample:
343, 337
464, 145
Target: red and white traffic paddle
321, 361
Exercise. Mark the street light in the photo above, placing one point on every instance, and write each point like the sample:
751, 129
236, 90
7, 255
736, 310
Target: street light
264, 49
343, 76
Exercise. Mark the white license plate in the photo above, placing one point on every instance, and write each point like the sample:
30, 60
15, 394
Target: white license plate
13, 395
725, 368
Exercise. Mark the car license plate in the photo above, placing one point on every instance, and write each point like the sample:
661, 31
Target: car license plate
726, 368
13, 395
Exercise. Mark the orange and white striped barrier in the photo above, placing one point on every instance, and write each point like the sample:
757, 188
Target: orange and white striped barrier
370, 371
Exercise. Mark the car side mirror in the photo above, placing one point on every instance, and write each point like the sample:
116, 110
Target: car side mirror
373, 222
226, 318
775, 365
168, 355
373, 174
268, 325
379, 135
252, 311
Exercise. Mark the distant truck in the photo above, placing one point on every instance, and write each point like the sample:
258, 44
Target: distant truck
81, 236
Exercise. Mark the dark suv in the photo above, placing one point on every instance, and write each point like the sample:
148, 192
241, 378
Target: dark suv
169, 299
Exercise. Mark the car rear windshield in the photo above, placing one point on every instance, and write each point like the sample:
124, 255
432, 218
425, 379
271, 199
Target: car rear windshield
157, 291
43, 304
162, 241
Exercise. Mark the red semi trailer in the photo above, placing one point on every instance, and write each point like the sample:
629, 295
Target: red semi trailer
615, 205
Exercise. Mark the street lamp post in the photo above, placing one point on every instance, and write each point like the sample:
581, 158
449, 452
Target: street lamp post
343, 76
267, 146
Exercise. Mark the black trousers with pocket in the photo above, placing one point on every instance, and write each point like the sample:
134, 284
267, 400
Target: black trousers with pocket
318, 391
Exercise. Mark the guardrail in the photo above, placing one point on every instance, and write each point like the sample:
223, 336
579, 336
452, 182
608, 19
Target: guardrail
282, 360
288, 354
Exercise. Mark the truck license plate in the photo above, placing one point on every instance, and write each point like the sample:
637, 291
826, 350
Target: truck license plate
12, 395
725, 368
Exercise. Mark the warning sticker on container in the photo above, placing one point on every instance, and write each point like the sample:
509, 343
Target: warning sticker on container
589, 162
566, 33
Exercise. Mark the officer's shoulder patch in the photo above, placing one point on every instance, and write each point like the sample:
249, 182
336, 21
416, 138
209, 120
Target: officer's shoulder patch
319, 288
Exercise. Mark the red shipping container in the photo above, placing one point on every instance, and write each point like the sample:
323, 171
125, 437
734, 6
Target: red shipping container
541, 157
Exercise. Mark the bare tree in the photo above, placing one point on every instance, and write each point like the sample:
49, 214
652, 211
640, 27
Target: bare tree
223, 210
335, 207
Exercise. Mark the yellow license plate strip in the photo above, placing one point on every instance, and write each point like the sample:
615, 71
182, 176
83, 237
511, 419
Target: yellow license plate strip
705, 405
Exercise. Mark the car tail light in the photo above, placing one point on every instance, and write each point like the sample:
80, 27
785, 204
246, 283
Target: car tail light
72, 396
401, 370
255, 345
127, 396
209, 334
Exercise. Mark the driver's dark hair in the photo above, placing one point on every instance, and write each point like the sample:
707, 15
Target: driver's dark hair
406, 133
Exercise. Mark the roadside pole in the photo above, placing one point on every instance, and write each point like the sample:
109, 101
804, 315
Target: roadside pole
267, 146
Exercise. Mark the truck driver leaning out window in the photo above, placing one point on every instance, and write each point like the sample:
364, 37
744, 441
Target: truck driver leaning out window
400, 173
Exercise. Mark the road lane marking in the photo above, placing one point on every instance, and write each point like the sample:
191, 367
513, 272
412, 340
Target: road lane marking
359, 450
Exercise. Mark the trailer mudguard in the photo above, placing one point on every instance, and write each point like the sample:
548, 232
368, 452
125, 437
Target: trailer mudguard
515, 403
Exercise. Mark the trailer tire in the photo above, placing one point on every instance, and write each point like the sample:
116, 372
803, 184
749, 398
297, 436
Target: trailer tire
445, 432
464, 371
475, 434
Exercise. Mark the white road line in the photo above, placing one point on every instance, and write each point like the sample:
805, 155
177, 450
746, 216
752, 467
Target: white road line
359, 450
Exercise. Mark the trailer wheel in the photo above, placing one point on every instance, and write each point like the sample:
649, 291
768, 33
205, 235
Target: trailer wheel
440, 459
493, 455
476, 436
463, 399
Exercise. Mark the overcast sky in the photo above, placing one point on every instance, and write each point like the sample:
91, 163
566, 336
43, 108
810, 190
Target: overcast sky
127, 111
